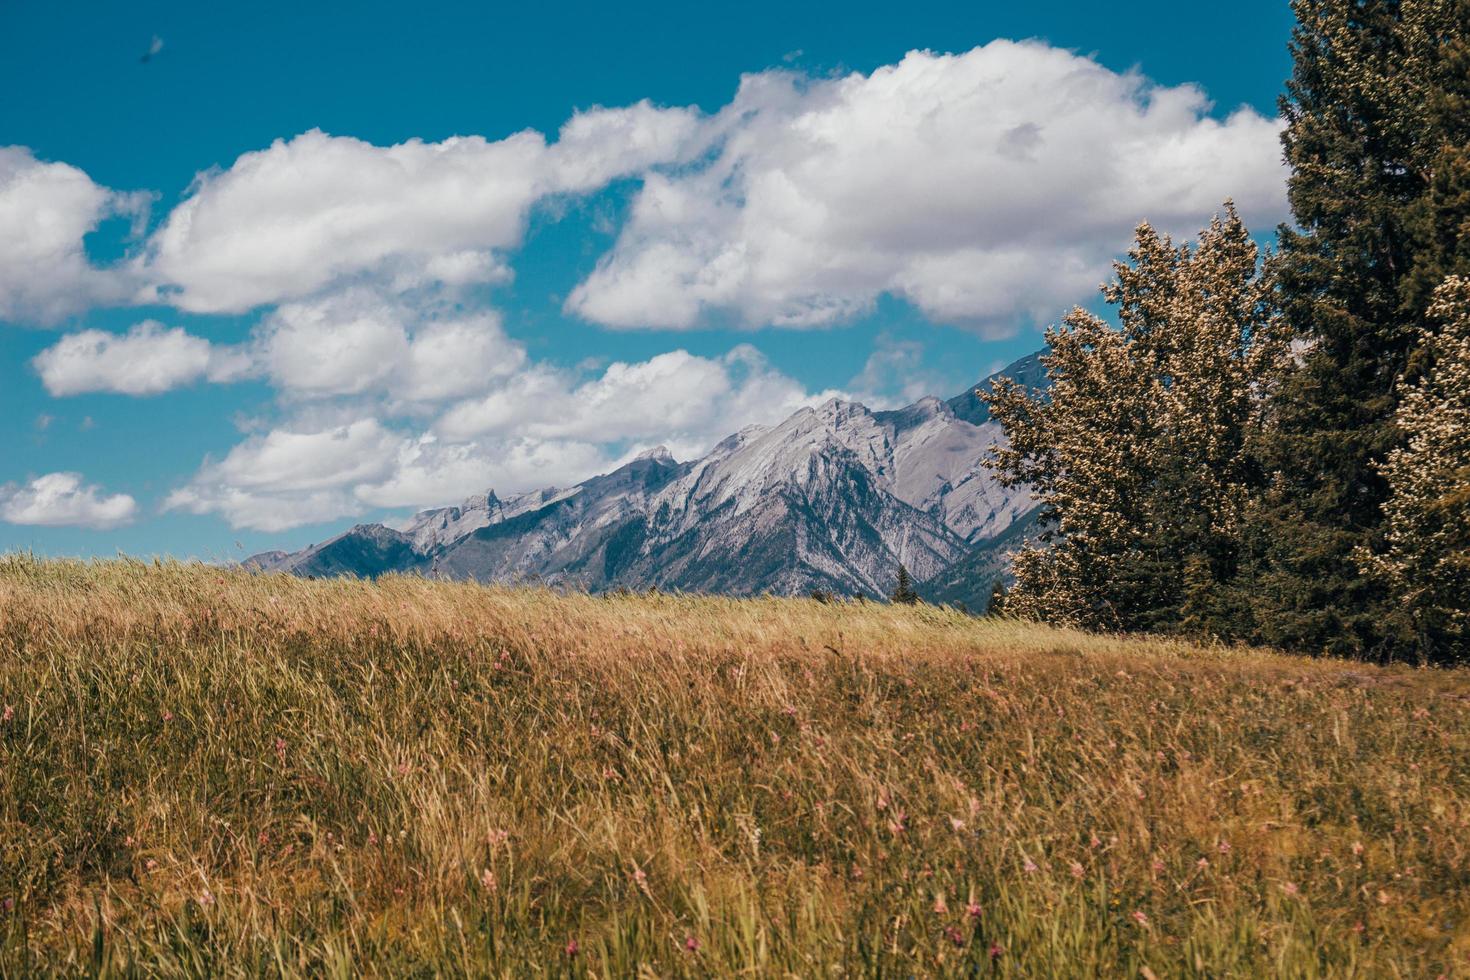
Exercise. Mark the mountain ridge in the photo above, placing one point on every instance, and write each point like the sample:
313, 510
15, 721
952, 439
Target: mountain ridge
834, 498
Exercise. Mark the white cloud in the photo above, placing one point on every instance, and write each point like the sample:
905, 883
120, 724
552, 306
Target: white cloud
62, 500
45, 211
673, 396
538, 427
986, 188
147, 360
285, 222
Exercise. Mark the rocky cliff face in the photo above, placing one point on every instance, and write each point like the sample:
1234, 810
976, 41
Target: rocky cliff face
834, 497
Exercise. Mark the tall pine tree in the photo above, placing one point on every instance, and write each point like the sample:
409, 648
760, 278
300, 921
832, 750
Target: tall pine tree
1376, 138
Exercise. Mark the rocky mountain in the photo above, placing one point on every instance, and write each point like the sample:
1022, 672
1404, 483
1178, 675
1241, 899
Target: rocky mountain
834, 498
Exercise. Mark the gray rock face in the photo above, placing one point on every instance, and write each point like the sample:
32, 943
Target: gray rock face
834, 497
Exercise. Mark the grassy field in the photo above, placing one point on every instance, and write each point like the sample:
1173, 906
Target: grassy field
207, 772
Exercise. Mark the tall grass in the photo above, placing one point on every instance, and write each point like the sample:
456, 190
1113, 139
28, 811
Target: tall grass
208, 772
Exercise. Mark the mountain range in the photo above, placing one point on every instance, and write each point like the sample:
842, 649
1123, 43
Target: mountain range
834, 498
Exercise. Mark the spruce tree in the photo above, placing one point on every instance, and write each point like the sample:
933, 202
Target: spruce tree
1376, 138
903, 592
1425, 563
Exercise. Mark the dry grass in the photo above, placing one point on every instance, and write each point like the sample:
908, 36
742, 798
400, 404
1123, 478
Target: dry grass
206, 772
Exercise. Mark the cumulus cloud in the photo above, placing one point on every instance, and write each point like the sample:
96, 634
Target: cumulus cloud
539, 427
63, 500
985, 188
147, 360
360, 340
46, 209
287, 221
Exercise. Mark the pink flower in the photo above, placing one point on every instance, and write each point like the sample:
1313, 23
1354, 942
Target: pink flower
487, 880
281, 750
1140, 917
7, 905
128, 841
1030, 865
1077, 870
899, 823
956, 824
572, 947
149, 864
262, 838
1290, 888
954, 935
168, 715
1202, 863
9, 713
691, 943
1357, 847
1158, 866
973, 910
995, 950
941, 907
1224, 847
205, 898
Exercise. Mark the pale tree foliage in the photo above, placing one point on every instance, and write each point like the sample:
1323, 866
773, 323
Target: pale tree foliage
1139, 450
1426, 562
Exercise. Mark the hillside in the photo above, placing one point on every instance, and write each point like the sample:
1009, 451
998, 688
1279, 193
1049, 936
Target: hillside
213, 772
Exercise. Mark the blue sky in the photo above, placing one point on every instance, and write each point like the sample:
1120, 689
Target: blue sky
345, 317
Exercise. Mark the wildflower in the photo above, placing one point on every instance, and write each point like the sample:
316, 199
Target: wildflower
168, 715
9, 713
691, 944
1030, 865
1077, 870
1224, 847
1290, 888
149, 864
882, 802
281, 750
262, 838
7, 904
1202, 863
128, 841
899, 823
1140, 917
1096, 843
972, 910
641, 880
497, 837
995, 950
956, 824
487, 880
572, 947
1357, 848
941, 907
205, 898
954, 935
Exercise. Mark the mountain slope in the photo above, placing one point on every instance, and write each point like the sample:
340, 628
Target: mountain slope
835, 497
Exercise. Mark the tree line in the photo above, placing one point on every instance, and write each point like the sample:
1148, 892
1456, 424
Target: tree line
1276, 448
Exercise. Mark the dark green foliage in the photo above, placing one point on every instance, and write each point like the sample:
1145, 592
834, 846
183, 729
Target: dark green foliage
903, 592
1377, 137
997, 604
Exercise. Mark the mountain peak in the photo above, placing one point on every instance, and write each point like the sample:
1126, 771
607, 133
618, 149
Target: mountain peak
658, 454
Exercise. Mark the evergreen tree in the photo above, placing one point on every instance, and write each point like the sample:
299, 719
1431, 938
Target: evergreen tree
997, 604
1376, 138
1426, 561
1138, 451
903, 592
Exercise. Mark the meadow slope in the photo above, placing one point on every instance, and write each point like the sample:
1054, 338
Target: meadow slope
208, 772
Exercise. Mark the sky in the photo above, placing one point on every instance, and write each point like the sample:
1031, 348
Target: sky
271, 270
